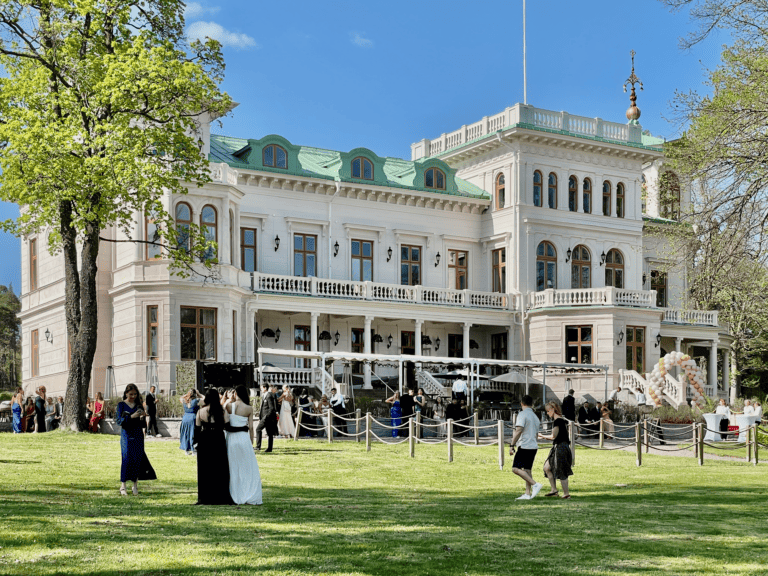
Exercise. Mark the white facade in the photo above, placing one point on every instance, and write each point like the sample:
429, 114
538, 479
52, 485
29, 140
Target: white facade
316, 197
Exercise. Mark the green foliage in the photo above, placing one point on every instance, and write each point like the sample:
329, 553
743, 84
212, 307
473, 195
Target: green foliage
681, 415
10, 342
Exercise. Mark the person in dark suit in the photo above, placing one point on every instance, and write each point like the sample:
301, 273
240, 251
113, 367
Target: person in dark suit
594, 416
150, 401
453, 412
267, 418
583, 418
569, 406
406, 407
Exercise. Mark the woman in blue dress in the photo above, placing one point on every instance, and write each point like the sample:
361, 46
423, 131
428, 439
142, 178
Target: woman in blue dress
395, 413
130, 418
191, 405
17, 403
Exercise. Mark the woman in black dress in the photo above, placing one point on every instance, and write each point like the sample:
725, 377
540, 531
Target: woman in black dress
40, 402
560, 459
212, 463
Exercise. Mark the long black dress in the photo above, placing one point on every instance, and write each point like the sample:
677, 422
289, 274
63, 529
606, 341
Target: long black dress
40, 414
212, 464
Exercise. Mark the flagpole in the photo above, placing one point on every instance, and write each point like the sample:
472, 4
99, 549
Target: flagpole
525, 70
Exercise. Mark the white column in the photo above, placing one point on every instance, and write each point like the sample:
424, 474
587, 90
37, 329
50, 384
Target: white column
726, 369
250, 339
712, 368
313, 335
678, 346
367, 350
510, 342
467, 326
417, 337
225, 236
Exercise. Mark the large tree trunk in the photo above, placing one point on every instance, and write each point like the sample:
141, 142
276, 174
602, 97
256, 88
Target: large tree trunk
81, 314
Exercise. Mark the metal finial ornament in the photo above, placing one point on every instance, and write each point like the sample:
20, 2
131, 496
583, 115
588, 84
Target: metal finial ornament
633, 112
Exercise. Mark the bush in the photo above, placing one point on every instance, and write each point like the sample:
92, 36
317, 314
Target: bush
5, 396
682, 415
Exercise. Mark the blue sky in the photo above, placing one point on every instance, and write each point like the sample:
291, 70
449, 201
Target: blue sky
382, 75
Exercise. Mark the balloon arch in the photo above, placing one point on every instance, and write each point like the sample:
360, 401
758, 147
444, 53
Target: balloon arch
692, 374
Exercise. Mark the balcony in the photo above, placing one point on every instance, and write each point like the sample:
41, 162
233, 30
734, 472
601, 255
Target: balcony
691, 317
380, 292
609, 296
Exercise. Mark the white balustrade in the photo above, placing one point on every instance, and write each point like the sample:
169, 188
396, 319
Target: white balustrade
592, 297
430, 385
339, 288
696, 317
292, 377
632, 380
674, 391
391, 292
444, 296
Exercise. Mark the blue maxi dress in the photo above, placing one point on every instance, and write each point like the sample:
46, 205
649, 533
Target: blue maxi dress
395, 413
135, 465
187, 430
16, 418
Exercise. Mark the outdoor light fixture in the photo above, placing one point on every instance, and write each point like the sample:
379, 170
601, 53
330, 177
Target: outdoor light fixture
277, 242
437, 344
389, 254
336, 249
48, 336
336, 336
644, 278
568, 383
389, 341
267, 333
324, 335
602, 258
568, 256
658, 340
621, 337
437, 259
277, 335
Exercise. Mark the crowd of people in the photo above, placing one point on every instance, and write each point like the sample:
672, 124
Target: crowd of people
38, 413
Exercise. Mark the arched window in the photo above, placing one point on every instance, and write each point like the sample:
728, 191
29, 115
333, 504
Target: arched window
537, 182
434, 178
552, 190
546, 266
614, 269
275, 156
581, 268
573, 193
669, 200
587, 196
620, 200
500, 191
606, 198
362, 168
209, 224
183, 222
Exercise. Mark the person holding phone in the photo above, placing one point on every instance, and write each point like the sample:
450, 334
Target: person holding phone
135, 464
187, 429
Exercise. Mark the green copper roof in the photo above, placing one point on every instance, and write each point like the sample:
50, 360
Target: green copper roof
333, 165
652, 141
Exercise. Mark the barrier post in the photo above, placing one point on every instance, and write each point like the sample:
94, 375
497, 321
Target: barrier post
645, 436
411, 438
418, 424
367, 431
749, 444
330, 427
449, 430
701, 445
500, 434
475, 424
572, 437
602, 436
756, 445
639, 444
696, 439
357, 425
298, 425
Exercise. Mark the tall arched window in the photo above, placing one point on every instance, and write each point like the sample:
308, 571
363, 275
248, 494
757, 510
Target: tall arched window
362, 168
620, 200
183, 222
669, 190
614, 269
587, 196
573, 194
209, 224
606, 198
552, 190
546, 266
537, 182
581, 268
275, 156
434, 178
500, 199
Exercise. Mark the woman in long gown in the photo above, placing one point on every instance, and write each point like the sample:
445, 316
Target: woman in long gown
305, 405
40, 402
135, 464
187, 429
285, 425
50, 414
29, 415
244, 476
16, 408
395, 413
212, 461
98, 413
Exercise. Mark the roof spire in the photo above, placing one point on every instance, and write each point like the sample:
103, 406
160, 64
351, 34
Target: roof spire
633, 112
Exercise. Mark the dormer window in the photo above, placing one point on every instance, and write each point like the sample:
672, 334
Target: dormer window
434, 178
275, 156
362, 168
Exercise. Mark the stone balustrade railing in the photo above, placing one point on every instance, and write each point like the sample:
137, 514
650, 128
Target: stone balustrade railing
349, 289
608, 296
696, 317
292, 377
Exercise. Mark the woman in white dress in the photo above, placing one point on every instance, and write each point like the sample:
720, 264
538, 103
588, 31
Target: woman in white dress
285, 424
244, 477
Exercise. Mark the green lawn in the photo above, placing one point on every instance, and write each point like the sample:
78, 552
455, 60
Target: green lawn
335, 509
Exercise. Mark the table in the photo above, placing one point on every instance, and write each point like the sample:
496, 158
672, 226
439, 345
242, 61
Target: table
743, 423
713, 426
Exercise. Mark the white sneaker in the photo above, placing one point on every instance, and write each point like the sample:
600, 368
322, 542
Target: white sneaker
524, 497
158, 435
536, 489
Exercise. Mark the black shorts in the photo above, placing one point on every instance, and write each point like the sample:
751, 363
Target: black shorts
524, 458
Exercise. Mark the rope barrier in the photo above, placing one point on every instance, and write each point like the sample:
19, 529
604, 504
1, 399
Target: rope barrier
387, 441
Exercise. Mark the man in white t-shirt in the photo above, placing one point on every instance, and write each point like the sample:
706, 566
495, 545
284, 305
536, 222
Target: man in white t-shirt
524, 447
459, 390
748, 409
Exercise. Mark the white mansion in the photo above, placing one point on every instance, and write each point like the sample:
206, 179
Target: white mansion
522, 236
